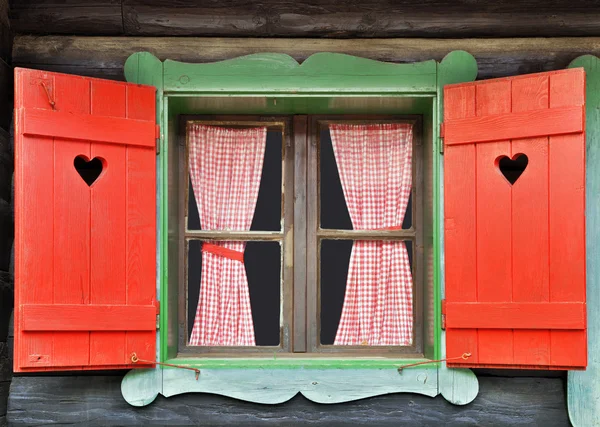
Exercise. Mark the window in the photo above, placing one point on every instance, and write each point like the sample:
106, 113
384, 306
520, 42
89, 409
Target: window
294, 243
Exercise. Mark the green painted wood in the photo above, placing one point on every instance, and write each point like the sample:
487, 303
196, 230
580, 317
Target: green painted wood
583, 387
269, 386
301, 104
456, 67
279, 73
141, 386
458, 386
297, 363
331, 79
145, 68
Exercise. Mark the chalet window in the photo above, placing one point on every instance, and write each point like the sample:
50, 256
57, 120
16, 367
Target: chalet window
493, 281
290, 168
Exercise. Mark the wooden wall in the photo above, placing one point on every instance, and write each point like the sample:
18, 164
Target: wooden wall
6, 208
104, 56
308, 18
94, 38
96, 401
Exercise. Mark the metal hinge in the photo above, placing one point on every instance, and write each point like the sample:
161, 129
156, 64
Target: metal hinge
444, 314
157, 315
157, 139
442, 132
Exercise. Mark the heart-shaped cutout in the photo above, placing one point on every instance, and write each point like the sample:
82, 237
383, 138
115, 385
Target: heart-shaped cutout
89, 170
512, 168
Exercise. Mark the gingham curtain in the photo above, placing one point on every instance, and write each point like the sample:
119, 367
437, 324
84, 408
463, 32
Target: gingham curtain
375, 167
225, 169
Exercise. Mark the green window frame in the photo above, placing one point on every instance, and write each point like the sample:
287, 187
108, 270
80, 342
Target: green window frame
327, 83
271, 84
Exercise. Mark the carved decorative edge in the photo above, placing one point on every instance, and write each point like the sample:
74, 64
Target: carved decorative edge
268, 386
583, 387
458, 386
272, 73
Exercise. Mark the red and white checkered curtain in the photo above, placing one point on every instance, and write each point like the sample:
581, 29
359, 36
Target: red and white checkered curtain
225, 169
375, 167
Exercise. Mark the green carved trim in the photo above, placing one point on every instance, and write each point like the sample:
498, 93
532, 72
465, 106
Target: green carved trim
145, 68
330, 385
271, 73
583, 387
456, 67
267, 386
277, 84
299, 363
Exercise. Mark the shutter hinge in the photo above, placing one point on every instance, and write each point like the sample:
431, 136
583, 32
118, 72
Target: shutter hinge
444, 314
157, 315
442, 132
157, 139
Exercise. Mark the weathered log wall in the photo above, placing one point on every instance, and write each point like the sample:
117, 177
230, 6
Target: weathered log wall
96, 401
6, 207
309, 18
55, 35
104, 56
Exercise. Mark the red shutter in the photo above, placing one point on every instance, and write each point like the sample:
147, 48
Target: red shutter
515, 254
85, 286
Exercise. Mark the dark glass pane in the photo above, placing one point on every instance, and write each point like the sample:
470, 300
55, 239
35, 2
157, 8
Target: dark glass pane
334, 212
263, 269
335, 260
267, 215
333, 208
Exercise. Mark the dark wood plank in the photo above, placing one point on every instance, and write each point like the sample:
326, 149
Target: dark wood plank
308, 18
5, 33
105, 56
299, 237
6, 236
97, 401
6, 94
66, 16
5, 362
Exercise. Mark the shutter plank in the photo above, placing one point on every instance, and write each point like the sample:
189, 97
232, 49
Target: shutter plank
108, 211
516, 315
493, 225
79, 317
530, 222
525, 124
141, 220
71, 226
567, 206
460, 219
34, 207
85, 127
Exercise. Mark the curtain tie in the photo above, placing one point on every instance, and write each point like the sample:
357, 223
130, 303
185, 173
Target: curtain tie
392, 228
224, 252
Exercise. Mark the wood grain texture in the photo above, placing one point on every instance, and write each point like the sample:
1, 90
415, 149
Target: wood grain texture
6, 305
583, 402
526, 124
6, 233
266, 385
6, 94
76, 252
97, 401
515, 315
105, 56
312, 18
83, 127
504, 278
67, 17
96, 317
